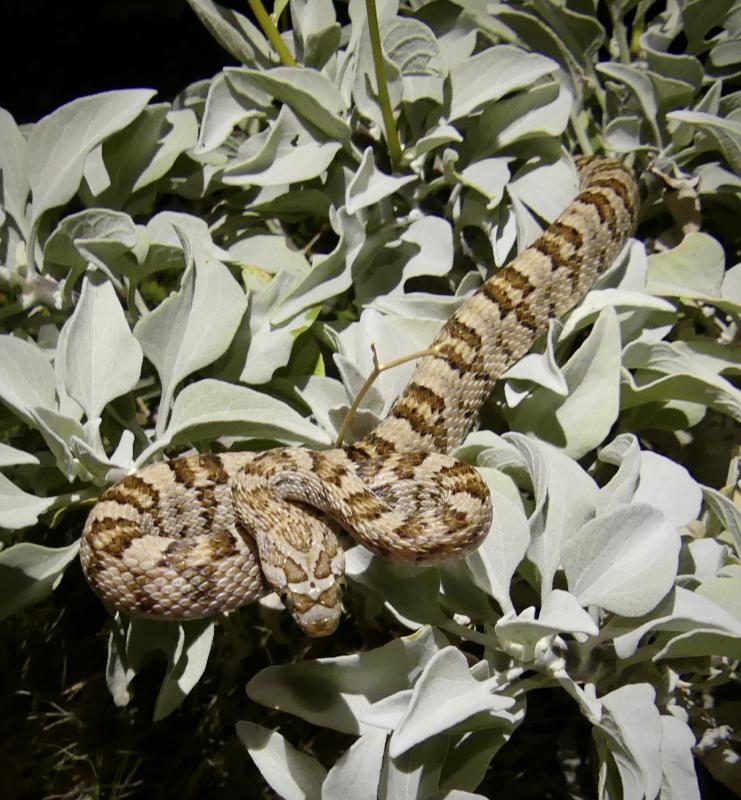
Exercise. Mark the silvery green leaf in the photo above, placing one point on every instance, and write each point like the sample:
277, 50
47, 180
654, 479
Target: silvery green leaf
179, 135
416, 773
102, 469
707, 558
624, 452
96, 236
209, 408
632, 724
316, 30
165, 231
330, 274
387, 712
29, 571
269, 253
143, 153
185, 645
457, 794
410, 593
358, 770
542, 111
290, 773
59, 143
503, 234
623, 134
288, 155
677, 762
624, 561
102, 359
418, 305
564, 500
580, 421
26, 377
724, 587
15, 185
445, 695
236, 34
413, 48
270, 345
694, 268
648, 311
360, 81
702, 643
58, 430
648, 477
494, 563
327, 398
369, 184
471, 81
19, 509
640, 84
668, 486
731, 289
349, 684
489, 177
434, 138
673, 370
470, 753
724, 133
522, 634
95, 174
571, 37
184, 333
545, 188
538, 368
681, 611
311, 96
186, 665
224, 110
12, 456
434, 238
728, 514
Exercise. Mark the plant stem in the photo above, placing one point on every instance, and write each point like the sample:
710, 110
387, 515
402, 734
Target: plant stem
269, 29
389, 123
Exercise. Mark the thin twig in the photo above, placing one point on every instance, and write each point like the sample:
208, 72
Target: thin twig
378, 368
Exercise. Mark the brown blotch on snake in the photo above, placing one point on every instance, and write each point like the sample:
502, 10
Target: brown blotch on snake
202, 535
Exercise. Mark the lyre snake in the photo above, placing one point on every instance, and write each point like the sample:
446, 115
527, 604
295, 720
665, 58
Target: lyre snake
199, 535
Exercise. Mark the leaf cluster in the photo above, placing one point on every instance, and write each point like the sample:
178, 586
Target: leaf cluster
210, 273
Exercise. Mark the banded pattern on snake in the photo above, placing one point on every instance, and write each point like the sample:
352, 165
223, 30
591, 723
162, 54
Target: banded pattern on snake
198, 535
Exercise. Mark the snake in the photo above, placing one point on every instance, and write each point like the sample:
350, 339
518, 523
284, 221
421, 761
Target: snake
201, 535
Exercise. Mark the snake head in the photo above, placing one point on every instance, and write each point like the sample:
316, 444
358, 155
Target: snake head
312, 590
317, 615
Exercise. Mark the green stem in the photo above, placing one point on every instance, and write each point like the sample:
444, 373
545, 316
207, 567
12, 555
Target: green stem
392, 137
269, 29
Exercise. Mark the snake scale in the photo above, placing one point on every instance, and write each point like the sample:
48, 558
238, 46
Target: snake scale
199, 535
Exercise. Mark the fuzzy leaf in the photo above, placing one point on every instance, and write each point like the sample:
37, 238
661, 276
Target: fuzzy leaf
624, 561
59, 143
472, 86
29, 572
102, 359
185, 333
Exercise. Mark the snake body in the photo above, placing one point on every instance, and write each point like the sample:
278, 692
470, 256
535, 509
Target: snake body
200, 535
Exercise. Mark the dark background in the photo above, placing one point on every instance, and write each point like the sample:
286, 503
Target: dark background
53, 52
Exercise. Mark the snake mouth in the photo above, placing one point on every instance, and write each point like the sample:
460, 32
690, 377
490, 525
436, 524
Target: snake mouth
313, 616
321, 627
